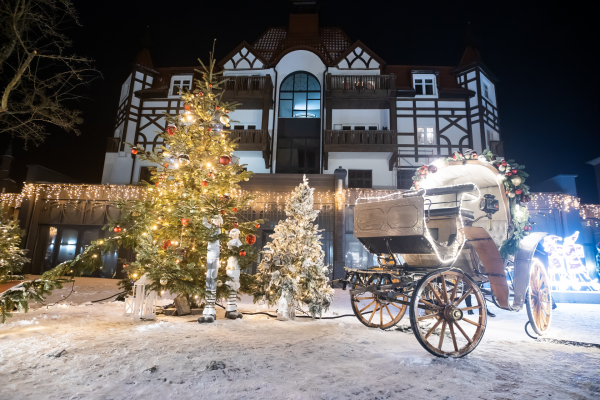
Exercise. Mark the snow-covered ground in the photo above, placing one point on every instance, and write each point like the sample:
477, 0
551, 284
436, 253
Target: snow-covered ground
78, 351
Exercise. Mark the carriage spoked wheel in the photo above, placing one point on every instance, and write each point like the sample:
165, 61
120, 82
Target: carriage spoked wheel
539, 298
376, 310
440, 318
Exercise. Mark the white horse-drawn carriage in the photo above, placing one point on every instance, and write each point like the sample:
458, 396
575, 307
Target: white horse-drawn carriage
439, 252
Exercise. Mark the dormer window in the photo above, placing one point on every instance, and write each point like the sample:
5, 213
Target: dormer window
424, 84
179, 83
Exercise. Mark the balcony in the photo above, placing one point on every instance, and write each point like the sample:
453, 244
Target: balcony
251, 91
361, 83
253, 140
361, 141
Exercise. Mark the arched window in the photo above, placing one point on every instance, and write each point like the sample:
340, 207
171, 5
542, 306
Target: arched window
300, 96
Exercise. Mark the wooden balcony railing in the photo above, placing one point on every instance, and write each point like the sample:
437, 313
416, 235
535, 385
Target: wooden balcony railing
112, 144
254, 140
361, 82
246, 83
357, 141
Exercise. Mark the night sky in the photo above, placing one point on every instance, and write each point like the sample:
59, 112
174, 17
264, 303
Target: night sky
544, 56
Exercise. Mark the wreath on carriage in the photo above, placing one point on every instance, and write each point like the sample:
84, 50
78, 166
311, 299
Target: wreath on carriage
513, 177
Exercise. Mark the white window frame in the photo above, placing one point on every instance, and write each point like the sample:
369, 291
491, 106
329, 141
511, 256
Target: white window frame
180, 78
423, 77
427, 133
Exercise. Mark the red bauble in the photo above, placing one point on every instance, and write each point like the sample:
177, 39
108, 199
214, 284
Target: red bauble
117, 229
211, 175
171, 129
514, 171
218, 108
209, 129
234, 209
166, 165
460, 155
134, 151
204, 183
185, 221
474, 155
222, 212
210, 85
235, 224
454, 156
257, 226
226, 111
503, 163
250, 239
156, 184
225, 160
200, 94
243, 253
187, 107
518, 191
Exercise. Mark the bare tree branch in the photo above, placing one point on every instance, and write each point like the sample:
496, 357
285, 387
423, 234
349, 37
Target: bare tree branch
37, 77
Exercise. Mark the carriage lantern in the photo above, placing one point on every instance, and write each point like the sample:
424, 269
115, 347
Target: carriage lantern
489, 204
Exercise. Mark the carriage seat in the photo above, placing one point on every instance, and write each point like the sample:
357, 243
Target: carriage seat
449, 212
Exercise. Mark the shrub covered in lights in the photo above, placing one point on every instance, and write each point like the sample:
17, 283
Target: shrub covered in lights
512, 176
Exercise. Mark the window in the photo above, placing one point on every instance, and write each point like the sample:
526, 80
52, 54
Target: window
405, 180
238, 127
372, 128
360, 179
425, 136
179, 83
424, 85
251, 127
346, 128
359, 128
486, 91
300, 96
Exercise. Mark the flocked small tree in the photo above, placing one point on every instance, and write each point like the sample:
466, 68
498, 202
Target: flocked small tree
292, 272
194, 182
12, 259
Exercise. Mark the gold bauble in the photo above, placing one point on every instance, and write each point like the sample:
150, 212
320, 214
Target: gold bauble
516, 180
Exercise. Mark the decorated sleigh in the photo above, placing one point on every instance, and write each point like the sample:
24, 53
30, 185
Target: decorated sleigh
459, 236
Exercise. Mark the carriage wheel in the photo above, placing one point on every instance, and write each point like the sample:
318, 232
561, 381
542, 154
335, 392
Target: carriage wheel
539, 298
377, 311
443, 326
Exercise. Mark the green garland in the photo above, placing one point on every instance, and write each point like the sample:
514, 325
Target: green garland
513, 177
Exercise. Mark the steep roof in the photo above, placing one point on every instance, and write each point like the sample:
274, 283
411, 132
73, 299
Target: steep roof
302, 32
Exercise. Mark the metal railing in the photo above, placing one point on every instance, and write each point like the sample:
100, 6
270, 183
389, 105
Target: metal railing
361, 137
361, 82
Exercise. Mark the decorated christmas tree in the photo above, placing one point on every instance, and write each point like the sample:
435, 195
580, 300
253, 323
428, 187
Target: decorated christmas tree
183, 225
292, 272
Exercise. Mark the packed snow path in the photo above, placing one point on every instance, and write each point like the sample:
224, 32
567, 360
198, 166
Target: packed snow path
93, 351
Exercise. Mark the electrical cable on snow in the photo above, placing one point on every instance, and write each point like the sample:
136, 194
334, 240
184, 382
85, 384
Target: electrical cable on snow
297, 316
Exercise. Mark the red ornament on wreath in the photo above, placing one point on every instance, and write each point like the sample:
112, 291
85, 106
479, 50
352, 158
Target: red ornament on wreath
134, 151
257, 226
474, 155
204, 183
117, 229
243, 253
187, 107
518, 191
225, 160
250, 239
171, 129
